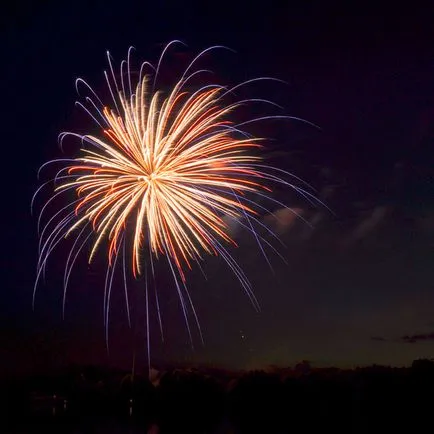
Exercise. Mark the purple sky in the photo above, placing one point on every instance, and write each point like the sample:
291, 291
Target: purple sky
358, 288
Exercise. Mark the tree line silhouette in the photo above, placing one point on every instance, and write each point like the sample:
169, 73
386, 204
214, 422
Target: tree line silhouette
370, 399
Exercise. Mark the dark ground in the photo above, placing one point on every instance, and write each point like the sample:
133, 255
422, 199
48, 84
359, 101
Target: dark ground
86, 399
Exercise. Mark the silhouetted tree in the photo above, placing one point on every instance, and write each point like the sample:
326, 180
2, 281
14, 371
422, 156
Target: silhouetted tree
189, 401
255, 402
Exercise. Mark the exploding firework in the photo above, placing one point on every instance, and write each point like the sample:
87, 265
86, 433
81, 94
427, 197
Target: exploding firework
161, 179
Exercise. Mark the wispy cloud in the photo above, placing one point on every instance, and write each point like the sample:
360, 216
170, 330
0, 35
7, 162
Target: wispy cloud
412, 339
368, 225
378, 339
283, 219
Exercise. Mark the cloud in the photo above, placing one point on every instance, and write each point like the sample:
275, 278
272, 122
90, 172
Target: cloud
233, 226
368, 225
378, 339
412, 339
308, 230
283, 219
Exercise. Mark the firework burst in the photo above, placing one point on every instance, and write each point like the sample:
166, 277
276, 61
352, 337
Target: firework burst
159, 180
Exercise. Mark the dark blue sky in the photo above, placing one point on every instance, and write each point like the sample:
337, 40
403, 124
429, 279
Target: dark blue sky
357, 287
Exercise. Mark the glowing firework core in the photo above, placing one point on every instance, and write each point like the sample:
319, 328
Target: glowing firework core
162, 162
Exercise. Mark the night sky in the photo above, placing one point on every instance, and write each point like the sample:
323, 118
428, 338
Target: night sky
359, 286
